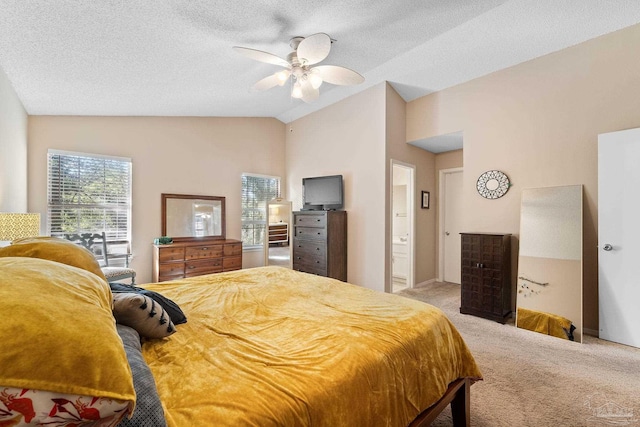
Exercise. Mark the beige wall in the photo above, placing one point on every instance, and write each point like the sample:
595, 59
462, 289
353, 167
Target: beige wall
539, 123
424, 162
348, 138
204, 156
13, 149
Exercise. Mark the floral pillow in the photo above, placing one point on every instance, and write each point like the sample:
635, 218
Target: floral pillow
26, 407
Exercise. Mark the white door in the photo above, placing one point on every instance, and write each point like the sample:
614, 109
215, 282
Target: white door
451, 202
618, 236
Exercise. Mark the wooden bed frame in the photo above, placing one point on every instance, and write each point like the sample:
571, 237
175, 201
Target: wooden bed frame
459, 396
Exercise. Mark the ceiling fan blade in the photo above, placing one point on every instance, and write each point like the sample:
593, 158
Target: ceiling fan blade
309, 94
338, 75
261, 56
266, 83
314, 48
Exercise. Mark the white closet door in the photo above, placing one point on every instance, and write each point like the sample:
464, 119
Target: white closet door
452, 228
619, 236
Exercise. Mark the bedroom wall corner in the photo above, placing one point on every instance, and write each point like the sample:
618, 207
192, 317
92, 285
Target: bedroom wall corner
538, 122
347, 138
13, 149
184, 155
424, 162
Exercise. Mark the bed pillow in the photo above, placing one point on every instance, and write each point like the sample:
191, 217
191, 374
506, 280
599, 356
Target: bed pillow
143, 314
148, 412
26, 407
54, 249
58, 332
173, 309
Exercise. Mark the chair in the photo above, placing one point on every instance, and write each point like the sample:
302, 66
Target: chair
101, 248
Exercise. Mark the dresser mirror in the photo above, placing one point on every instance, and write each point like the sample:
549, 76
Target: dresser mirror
277, 242
187, 217
549, 281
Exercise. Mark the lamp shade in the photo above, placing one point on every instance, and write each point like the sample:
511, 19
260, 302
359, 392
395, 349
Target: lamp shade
18, 225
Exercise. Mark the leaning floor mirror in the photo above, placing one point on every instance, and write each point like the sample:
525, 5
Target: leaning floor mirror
549, 282
277, 242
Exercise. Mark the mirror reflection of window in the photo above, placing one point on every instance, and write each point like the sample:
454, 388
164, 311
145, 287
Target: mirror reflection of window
206, 219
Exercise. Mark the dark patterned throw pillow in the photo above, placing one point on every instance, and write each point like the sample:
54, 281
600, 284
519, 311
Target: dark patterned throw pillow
148, 412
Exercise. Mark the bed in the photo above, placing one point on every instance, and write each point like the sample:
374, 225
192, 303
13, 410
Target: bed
273, 347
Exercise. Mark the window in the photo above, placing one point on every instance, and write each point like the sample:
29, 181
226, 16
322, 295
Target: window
89, 193
257, 190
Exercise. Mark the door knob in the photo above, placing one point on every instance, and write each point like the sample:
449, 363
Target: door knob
607, 247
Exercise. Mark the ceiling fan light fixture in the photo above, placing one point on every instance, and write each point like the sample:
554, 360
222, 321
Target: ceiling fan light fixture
315, 80
282, 76
300, 66
296, 92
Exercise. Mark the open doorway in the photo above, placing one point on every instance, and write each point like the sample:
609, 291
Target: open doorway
402, 225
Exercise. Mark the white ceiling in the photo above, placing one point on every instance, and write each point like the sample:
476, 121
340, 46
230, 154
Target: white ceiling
174, 57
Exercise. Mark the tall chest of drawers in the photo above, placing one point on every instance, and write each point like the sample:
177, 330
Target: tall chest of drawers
486, 275
320, 243
188, 259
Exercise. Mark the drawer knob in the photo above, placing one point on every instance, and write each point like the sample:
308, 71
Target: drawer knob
205, 248
319, 233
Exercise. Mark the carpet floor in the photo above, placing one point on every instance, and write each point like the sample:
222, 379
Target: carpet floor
535, 380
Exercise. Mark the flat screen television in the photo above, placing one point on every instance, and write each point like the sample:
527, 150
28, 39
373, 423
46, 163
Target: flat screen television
322, 193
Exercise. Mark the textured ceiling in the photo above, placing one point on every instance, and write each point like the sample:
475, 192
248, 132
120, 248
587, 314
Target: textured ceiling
174, 58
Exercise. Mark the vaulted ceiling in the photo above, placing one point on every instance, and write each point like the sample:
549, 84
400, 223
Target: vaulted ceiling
175, 58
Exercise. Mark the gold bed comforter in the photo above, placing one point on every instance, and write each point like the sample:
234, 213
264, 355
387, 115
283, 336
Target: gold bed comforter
270, 346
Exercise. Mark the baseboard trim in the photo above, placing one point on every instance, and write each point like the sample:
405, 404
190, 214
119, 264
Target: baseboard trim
425, 283
590, 332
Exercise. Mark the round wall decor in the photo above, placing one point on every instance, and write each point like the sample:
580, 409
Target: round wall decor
492, 184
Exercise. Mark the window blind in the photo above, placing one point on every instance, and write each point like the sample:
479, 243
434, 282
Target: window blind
88, 194
257, 191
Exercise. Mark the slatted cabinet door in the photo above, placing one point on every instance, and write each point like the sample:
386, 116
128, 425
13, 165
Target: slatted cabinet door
486, 275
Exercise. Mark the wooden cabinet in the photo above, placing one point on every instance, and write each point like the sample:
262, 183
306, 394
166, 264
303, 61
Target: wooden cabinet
188, 259
486, 275
320, 243
278, 233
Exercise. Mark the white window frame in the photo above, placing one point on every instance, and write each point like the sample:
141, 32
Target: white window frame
105, 202
253, 222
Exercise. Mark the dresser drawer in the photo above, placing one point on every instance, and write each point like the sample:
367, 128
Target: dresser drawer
172, 269
204, 251
310, 249
233, 249
310, 233
203, 266
320, 270
170, 254
232, 263
311, 220
195, 258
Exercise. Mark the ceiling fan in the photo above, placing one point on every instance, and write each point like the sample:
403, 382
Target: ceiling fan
298, 65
